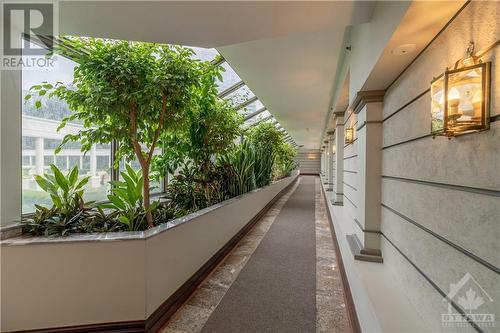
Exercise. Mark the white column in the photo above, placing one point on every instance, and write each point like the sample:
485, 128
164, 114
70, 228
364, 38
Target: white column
369, 134
338, 190
10, 146
93, 161
326, 164
331, 156
322, 164
39, 156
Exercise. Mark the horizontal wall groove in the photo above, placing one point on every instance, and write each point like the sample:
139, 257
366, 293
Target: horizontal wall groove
407, 104
352, 203
352, 156
366, 230
433, 284
355, 189
347, 119
349, 171
492, 120
445, 240
477, 190
366, 122
407, 141
352, 143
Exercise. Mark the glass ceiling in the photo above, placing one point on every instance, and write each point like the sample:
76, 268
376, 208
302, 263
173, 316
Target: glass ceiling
239, 95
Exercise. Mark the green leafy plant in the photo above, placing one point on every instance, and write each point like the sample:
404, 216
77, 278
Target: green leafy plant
66, 191
126, 199
211, 127
130, 92
184, 192
100, 221
284, 161
68, 210
239, 169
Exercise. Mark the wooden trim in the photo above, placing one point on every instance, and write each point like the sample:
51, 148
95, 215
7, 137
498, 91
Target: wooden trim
350, 307
161, 315
118, 327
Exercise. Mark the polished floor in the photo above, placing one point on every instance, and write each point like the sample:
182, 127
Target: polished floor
282, 276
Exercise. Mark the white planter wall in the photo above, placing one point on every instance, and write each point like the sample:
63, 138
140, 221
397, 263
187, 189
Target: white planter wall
87, 279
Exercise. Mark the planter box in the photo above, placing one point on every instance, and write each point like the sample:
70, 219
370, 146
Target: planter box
121, 281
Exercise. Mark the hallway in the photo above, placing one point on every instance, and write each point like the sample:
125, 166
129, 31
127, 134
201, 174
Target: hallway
281, 277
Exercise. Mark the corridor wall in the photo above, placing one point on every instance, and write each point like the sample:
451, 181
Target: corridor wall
309, 161
441, 198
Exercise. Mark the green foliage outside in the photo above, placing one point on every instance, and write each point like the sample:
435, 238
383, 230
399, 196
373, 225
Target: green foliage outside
146, 96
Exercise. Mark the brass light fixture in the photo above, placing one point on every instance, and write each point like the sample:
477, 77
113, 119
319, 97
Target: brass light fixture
460, 97
349, 135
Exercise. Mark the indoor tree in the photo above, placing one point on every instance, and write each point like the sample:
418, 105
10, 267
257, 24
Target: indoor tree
130, 92
210, 129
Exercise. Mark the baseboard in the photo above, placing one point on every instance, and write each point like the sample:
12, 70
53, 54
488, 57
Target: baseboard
351, 309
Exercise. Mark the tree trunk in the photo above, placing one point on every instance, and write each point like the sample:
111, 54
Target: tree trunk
145, 194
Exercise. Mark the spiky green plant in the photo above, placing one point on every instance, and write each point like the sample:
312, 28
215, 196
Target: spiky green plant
239, 166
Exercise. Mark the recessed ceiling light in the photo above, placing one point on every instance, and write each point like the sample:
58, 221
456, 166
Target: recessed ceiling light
404, 49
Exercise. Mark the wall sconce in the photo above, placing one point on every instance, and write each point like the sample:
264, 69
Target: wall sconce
349, 135
460, 98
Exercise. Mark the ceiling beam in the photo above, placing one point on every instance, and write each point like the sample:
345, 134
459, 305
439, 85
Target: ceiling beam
253, 114
231, 89
261, 120
218, 60
246, 103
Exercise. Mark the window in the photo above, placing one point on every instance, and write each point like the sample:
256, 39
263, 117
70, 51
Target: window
41, 138
240, 96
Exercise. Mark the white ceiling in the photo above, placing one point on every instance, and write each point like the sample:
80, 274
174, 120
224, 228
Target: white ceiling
203, 23
422, 21
287, 52
293, 77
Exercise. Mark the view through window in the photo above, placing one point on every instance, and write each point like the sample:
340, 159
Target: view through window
40, 136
